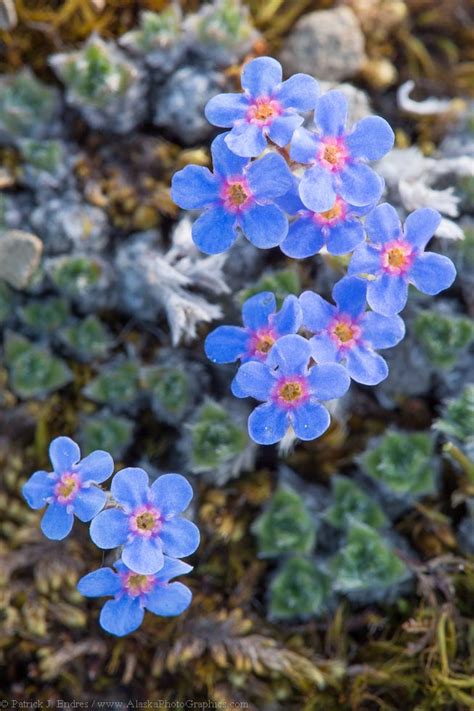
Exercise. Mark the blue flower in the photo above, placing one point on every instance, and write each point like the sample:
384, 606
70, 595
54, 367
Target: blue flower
338, 229
236, 195
134, 593
339, 159
395, 258
70, 488
263, 325
267, 107
291, 391
348, 333
147, 524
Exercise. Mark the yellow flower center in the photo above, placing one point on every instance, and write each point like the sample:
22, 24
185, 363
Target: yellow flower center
291, 391
334, 212
396, 257
136, 583
146, 521
344, 332
331, 154
237, 194
265, 343
67, 486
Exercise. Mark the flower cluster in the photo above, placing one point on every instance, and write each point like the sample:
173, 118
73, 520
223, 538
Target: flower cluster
145, 520
306, 188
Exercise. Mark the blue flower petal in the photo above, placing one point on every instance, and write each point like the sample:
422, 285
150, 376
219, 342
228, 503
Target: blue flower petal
269, 177
365, 260
299, 92
304, 146
97, 466
289, 318
328, 381
143, 555
194, 187
236, 390
382, 331
224, 109
247, 140
366, 367
172, 567
331, 113
371, 138
317, 312
264, 225
261, 76
360, 185
169, 600
109, 529
304, 239
225, 344
180, 537
282, 128
172, 493
383, 224
345, 237
89, 502
387, 295
268, 424
214, 231
324, 349
255, 380
122, 616
64, 453
38, 488
226, 163
290, 355
290, 202
317, 189
99, 583
310, 420
420, 226
350, 294
57, 522
130, 487
257, 310
432, 273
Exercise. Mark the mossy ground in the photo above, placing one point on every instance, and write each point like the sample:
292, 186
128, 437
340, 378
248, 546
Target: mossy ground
415, 654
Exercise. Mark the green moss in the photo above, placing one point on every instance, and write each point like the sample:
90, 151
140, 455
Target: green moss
281, 283
366, 561
169, 389
115, 385
215, 438
25, 103
43, 155
286, 526
403, 462
6, 302
351, 501
458, 417
45, 316
227, 23
72, 275
34, 372
156, 30
109, 432
443, 338
298, 590
89, 339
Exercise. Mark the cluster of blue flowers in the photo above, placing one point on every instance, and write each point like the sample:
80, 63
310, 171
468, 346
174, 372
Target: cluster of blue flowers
304, 189
145, 520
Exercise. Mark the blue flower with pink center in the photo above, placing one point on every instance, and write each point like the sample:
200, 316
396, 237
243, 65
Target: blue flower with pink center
292, 390
134, 593
339, 229
263, 326
267, 108
70, 489
148, 523
347, 333
237, 195
339, 158
395, 257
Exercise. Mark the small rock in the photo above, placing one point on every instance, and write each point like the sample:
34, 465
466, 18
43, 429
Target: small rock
20, 254
328, 44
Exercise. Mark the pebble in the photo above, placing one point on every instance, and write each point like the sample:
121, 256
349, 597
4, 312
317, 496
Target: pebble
20, 254
328, 44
